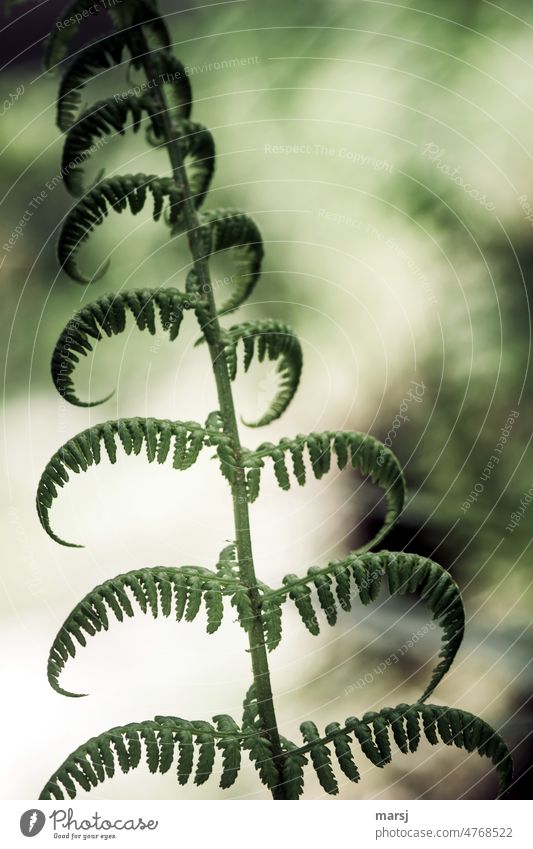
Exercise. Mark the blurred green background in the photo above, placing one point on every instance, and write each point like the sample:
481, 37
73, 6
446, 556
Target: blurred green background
385, 152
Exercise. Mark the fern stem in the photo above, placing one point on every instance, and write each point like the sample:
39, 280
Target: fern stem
258, 651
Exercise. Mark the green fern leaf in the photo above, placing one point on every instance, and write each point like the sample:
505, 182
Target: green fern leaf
274, 340
111, 116
186, 755
107, 315
85, 450
242, 603
94, 59
407, 723
227, 559
117, 193
322, 582
98, 759
214, 605
67, 28
250, 711
362, 575
102, 119
230, 229
163, 104
157, 590
367, 454
198, 152
165, 740
97, 58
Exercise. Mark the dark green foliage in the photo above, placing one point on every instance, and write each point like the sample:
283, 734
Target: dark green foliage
250, 711
104, 118
198, 151
363, 452
371, 734
227, 565
230, 230
88, 63
162, 105
111, 116
275, 341
260, 750
301, 596
117, 193
107, 316
156, 742
256, 741
343, 752
165, 591
182, 440
125, 14
361, 576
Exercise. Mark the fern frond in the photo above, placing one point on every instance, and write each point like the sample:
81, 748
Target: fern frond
158, 436
362, 576
111, 116
162, 590
275, 341
107, 315
163, 103
102, 119
407, 723
230, 229
91, 61
364, 452
158, 740
132, 12
117, 193
171, 78
198, 151
135, 13
66, 28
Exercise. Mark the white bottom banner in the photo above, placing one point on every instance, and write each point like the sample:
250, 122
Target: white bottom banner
263, 825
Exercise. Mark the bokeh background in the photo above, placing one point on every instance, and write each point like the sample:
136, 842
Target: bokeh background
386, 152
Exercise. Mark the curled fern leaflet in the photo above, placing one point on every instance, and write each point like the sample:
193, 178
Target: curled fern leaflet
364, 452
164, 591
159, 436
408, 723
154, 741
275, 341
107, 316
361, 576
